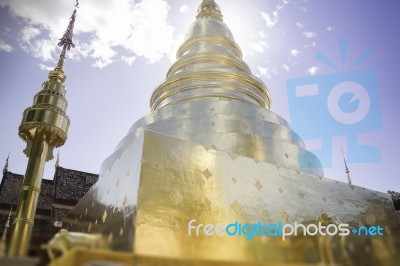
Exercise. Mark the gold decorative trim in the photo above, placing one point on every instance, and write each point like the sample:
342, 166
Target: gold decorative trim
210, 76
23, 221
209, 39
211, 95
51, 133
169, 92
209, 58
29, 188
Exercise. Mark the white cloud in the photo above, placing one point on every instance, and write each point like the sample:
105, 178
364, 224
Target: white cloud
312, 44
309, 34
128, 59
294, 52
175, 46
272, 20
299, 25
183, 8
263, 72
140, 27
329, 28
28, 33
275, 69
269, 20
42, 49
286, 67
258, 46
304, 9
313, 70
102, 62
152, 38
102, 52
46, 68
5, 47
81, 50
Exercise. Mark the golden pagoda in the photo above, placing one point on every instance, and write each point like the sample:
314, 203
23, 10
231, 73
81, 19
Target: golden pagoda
44, 127
211, 153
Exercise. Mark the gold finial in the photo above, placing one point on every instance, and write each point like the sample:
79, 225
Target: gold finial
347, 169
3, 241
5, 169
209, 9
66, 43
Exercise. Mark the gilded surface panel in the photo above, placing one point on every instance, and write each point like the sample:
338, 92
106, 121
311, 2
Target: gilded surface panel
211, 186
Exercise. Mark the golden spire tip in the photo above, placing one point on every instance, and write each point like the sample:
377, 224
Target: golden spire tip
66, 42
209, 9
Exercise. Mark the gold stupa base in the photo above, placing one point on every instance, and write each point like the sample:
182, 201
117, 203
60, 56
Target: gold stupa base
144, 202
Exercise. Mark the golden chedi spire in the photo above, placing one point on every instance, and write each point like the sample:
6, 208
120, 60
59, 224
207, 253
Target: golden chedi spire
210, 122
209, 9
44, 126
211, 90
211, 152
209, 65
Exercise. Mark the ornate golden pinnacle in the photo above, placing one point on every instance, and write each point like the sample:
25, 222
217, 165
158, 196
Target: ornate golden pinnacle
44, 126
67, 43
214, 71
209, 9
66, 40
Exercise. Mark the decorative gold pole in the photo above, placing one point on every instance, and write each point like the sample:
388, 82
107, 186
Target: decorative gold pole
44, 126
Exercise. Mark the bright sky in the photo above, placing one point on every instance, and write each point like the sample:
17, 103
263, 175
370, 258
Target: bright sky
124, 48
